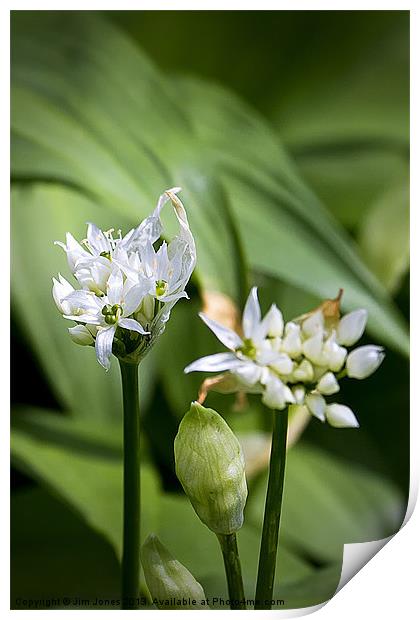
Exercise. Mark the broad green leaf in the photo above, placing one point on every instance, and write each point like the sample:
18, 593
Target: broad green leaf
285, 230
178, 525
329, 502
349, 178
56, 555
84, 472
385, 235
351, 85
81, 465
119, 129
123, 139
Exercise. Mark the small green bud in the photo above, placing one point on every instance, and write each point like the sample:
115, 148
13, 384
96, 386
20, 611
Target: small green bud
211, 468
169, 582
161, 286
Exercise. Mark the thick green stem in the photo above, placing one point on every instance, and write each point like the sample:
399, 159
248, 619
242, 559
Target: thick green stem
272, 514
233, 570
130, 578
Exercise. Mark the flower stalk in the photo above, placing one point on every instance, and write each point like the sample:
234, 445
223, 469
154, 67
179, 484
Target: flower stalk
229, 547
272, 513
130, 576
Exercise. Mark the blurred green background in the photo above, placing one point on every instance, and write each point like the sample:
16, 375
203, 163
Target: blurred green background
289, 132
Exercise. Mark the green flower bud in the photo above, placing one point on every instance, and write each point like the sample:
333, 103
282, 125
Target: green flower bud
211, 468
170, 584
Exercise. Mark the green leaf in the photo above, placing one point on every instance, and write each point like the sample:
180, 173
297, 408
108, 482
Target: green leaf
56, 555
286, 232
125, 140
81, 466
114, 126
349, 178
385, 236
359, 92
179, 525
329, 502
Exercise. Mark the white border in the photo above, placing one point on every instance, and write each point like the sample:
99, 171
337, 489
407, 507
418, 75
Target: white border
388, 584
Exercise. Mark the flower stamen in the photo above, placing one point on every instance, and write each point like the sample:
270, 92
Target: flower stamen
111, 313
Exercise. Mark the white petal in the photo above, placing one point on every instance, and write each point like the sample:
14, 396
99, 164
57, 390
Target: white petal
115, 287
214, 363
97, 240
265, 354
61, 289
103, 345
92, 319
351, 327
314, 324
227, 336
132, 325
328, 384
187, 248
74, 251
81, 335
282, 364
85, 300
134, 298
276, 344
175, 297
341, 416
363, 361
248, 373
252, 314
316, 405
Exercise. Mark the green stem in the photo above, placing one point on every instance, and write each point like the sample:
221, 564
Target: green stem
230, 552
130, 578
272, 514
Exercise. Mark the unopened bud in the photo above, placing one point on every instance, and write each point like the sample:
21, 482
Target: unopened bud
211, 468
314, 324
363, 361
274, 322
62, 288
328, 384
292, 343
81, 335
316, 405
170, 583
351, 327
341, 416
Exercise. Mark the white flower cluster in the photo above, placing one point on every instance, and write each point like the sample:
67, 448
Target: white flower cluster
298, 363
127, 287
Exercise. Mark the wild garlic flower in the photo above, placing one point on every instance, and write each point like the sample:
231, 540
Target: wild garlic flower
298, 363
127, 289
